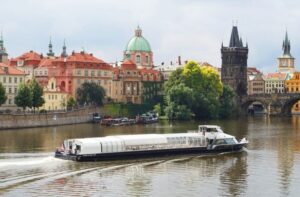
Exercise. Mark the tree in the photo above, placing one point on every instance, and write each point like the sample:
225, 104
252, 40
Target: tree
24, 96
227, 104
37, 94
3, 97
90, 93
193, 90
71, 102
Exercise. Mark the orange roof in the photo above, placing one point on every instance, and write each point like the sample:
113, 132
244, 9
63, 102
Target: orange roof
10, 70
276, 76
146, 71
128, 65
83, 57
46, 62
31, 55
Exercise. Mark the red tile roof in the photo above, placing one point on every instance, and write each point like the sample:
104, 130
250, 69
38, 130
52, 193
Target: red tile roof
128, 65
276, 76
10, 70
31, 55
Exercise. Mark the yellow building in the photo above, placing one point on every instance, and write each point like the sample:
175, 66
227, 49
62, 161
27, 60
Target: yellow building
55, 99
10, 77
293, 86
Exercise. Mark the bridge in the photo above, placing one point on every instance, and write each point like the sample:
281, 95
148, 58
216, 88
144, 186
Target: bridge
275, 104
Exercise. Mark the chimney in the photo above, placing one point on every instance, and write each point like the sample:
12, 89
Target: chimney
179, 60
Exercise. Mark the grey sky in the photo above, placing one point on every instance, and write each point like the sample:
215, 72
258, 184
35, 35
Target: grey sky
193, 29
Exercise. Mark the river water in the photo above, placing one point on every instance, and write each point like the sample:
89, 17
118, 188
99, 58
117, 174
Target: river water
269, 167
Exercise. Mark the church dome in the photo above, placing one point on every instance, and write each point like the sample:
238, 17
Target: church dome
138, 42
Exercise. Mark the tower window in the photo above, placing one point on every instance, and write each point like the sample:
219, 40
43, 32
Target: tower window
138, 59
147, 59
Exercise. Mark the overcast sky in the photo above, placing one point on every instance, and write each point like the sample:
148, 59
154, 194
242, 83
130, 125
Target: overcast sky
193, 29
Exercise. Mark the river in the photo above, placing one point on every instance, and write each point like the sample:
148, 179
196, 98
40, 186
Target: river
269, 167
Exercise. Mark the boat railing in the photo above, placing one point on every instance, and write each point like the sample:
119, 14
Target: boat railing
164, 146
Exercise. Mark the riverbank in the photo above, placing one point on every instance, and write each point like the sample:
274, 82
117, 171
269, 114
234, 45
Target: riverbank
16, 121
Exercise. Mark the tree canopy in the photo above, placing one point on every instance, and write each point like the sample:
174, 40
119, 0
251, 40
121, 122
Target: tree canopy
37, 94
3, 97
24, 96
195, 91
90, 93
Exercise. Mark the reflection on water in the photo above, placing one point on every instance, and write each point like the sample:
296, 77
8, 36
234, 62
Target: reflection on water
270, 166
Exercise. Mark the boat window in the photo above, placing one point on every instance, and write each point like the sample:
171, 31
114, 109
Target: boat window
220, 141
230, 141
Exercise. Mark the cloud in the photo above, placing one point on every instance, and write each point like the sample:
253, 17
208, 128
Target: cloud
190, 28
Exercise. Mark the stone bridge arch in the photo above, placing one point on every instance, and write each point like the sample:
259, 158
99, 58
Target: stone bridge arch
249, 101
288, 104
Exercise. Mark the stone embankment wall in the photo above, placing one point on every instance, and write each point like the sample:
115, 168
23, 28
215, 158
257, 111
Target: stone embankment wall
9, 121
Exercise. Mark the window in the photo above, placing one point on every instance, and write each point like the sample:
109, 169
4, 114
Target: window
86, 73
4, 79
9, 90
147, 59
52, 86
138, 59
92, 73
9, 79
21, 80
99, 73
16, 80
16, 90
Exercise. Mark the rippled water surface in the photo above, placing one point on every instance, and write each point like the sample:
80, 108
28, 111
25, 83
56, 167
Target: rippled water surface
269, 167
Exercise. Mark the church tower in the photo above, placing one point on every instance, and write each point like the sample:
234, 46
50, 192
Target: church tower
234, 64
3, 53
286, 62
50, 49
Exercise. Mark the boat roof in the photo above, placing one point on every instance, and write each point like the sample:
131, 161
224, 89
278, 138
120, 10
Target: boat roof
209, 126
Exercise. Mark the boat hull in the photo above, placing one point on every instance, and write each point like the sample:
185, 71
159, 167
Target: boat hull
150, 153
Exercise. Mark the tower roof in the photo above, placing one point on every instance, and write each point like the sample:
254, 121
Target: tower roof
2, 48
235, 41
286, 46
138, 42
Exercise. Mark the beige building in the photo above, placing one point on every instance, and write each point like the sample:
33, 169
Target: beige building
10, 77
133, 85
55, 99
275, 82
256, 84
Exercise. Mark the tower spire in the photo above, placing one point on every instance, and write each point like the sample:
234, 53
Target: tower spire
235, 41
286, 46
64, 52
50, 50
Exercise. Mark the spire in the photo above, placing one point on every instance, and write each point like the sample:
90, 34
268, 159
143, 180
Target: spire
2, 48
50, 52
286, 46
235, 41
64, 52
138, 31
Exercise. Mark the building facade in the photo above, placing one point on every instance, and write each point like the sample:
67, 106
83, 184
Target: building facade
275, 83
55, 99
10, 77
234, 64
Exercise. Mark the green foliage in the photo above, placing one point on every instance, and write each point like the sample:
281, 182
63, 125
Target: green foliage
37, 94
3, 97
193, 91
24, 96
158, 109
71, 102
90, 93
227, 102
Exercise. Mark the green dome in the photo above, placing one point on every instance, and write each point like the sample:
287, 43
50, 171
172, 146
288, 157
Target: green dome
138, 42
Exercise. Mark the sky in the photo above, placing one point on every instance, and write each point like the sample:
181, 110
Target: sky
193, 29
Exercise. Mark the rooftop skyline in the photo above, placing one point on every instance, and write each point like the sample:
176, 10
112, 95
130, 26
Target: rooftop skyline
192, 29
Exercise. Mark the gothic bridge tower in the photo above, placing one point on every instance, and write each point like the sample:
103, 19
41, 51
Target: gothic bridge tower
234, 64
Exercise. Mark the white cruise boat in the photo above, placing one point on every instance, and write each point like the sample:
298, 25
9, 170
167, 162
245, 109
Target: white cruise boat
207, 139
